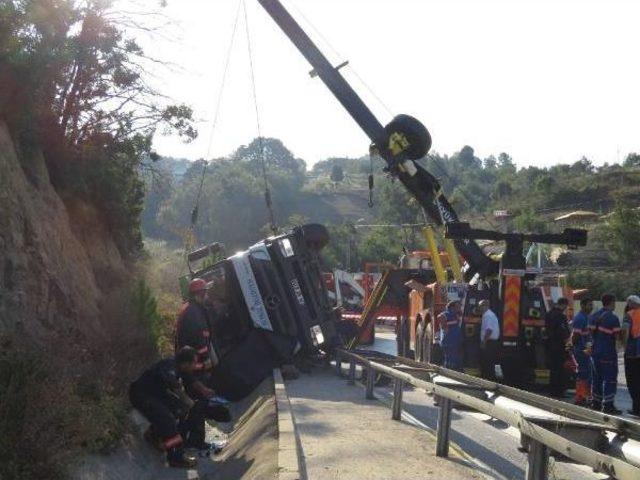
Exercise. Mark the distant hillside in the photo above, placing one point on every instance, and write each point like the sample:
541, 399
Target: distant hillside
232, 208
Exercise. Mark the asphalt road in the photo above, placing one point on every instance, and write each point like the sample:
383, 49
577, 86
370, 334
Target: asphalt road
491, 443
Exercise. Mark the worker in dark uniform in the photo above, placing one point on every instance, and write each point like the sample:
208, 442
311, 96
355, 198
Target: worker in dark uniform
159, 395
558, 332
193, 329
582, 348
450, 325
631, 326
605, 328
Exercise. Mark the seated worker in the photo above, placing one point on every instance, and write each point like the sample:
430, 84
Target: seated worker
177, 422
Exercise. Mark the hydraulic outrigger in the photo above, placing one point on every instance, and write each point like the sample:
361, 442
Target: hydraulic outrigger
405, 140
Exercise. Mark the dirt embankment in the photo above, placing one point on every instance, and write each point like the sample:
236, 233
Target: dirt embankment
252, 452
57, 261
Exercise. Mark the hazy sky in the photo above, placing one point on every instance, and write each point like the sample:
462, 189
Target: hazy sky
546, 81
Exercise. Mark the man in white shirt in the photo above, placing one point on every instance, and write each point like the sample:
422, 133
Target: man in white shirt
489, 336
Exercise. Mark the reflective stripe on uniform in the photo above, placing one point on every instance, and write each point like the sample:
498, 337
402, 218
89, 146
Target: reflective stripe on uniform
173, 441
608, 331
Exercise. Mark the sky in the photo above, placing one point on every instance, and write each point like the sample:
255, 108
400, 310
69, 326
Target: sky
545, 81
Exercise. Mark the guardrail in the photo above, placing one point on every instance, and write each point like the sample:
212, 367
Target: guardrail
608, 444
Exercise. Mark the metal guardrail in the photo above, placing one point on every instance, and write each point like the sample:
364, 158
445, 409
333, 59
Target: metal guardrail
606, 443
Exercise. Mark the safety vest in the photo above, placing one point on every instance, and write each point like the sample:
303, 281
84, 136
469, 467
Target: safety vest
634, 316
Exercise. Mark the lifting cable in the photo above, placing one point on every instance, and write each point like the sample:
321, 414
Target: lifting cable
267, 192
194, 212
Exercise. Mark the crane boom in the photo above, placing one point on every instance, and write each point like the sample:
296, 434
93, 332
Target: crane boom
399, 143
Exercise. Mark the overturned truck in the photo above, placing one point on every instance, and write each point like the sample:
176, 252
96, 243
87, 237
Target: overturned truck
275, 306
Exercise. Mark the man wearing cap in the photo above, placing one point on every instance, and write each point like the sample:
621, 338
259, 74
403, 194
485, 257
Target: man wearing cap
489, 335
193, 329
631, 328
451, 329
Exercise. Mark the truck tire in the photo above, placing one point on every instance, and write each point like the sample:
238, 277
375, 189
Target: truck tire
416, 133
315, 235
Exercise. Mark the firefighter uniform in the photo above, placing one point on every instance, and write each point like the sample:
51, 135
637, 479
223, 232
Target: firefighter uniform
452, 340
158, 394
605, 326
632, 357
193, 329
582, 340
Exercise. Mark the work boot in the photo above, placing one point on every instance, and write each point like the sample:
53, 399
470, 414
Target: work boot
178, 458
611, 409
597, 406
634, 412
154, 440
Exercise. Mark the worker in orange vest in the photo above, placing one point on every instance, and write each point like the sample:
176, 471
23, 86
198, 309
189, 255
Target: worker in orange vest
631, 327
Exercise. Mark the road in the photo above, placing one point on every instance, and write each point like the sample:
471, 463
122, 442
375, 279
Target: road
491, 443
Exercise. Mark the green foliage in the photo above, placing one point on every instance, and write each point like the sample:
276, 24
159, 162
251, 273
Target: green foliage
529, 221
632, 160
49, 412
233, 210
622, 233
145, 311
621, 284
72, 83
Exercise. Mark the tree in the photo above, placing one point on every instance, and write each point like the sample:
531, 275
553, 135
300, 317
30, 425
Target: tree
337, 174
545, 183
623, 234
632, 160
529, 221
502, 189
74, 84
505, 163
490, 163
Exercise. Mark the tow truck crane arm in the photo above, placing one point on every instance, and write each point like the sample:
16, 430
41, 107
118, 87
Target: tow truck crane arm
399, 143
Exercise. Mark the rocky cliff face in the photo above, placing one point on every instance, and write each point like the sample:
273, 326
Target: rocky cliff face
57, 261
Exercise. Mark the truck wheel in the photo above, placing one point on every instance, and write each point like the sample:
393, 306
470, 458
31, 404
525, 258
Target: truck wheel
415, 132
315, 235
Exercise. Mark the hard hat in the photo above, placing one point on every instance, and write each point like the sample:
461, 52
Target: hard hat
197, 285
635, 299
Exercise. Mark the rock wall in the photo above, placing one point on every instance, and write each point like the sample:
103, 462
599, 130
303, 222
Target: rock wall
57, 260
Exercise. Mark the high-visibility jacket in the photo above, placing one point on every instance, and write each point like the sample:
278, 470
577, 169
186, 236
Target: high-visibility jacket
632, 323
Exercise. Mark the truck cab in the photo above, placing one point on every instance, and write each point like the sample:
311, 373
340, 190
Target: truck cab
275, 287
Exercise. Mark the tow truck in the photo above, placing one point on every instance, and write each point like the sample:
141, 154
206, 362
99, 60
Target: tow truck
506, 282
